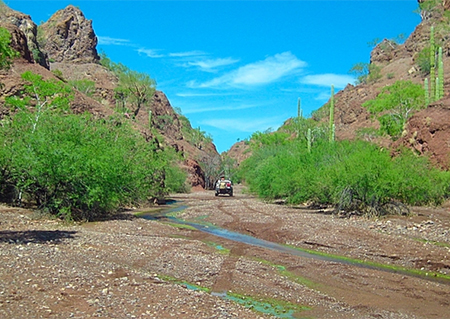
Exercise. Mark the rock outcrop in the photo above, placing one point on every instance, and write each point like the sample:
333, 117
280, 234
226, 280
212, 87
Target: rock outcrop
428, 134
69, 37
426, 131
25, 42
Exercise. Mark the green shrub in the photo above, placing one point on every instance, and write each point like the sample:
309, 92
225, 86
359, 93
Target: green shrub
352, 176
80, 168
73, 165
366, 72
58, 73
423, 60
7, 54
85, 86
395, 104
320, 113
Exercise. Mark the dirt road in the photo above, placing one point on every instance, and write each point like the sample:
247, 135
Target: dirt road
136, 268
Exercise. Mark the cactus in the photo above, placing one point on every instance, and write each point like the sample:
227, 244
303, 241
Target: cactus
308, 139
332, 114
299, 109
440, 75
436, 93
432, 64
427, 92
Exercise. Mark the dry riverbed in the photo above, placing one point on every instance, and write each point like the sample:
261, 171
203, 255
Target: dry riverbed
130, 267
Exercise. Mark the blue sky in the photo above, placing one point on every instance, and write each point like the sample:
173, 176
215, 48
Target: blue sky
237, 67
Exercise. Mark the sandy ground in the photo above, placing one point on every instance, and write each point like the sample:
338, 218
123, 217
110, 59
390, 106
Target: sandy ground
131, 267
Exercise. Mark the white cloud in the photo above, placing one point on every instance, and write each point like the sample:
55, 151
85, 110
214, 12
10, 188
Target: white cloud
187, 54
328, 79
268, 70
112, 41
150, 53
262, 72
210, 64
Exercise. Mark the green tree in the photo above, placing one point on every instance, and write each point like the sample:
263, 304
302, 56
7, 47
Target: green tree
85, 86
432, 65
366, 72
395, 104
135, 88
332, 127
198, 137
75, 166
51, 95
423, 60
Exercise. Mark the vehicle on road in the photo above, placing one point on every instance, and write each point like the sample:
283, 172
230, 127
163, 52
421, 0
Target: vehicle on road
224, 186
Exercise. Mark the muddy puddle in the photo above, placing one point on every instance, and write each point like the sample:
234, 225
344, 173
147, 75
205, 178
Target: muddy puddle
173, 208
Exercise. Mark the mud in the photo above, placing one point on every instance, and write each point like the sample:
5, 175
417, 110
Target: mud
129, 267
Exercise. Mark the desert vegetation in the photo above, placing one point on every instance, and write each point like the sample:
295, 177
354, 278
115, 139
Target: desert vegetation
77, 166
301, 163
352, 176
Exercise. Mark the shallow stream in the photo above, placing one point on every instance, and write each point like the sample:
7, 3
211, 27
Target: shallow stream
167, 214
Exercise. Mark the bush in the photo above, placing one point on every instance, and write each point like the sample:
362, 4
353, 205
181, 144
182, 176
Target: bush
79, 168
423, 60
74, 166
85, 86
366, 72
352, 176
7, 54
395, 104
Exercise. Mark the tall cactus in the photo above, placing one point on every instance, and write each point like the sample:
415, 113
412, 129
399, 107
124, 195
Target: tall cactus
299, 109
427, 92
432, 64
332, 114
440, 74
436, 93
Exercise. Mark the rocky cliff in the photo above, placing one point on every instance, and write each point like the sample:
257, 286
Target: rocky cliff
65, 46
427, 132
69, 37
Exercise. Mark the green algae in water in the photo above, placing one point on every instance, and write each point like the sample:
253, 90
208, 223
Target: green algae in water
184, 283
277, 308
180, 226
284, 272
220, 248
378, 266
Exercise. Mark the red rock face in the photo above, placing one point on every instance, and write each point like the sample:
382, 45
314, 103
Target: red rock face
428, 134
24, 35
18, 41
69, 37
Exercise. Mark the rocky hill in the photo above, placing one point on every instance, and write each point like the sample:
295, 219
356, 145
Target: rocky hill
64, 47
428, 131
